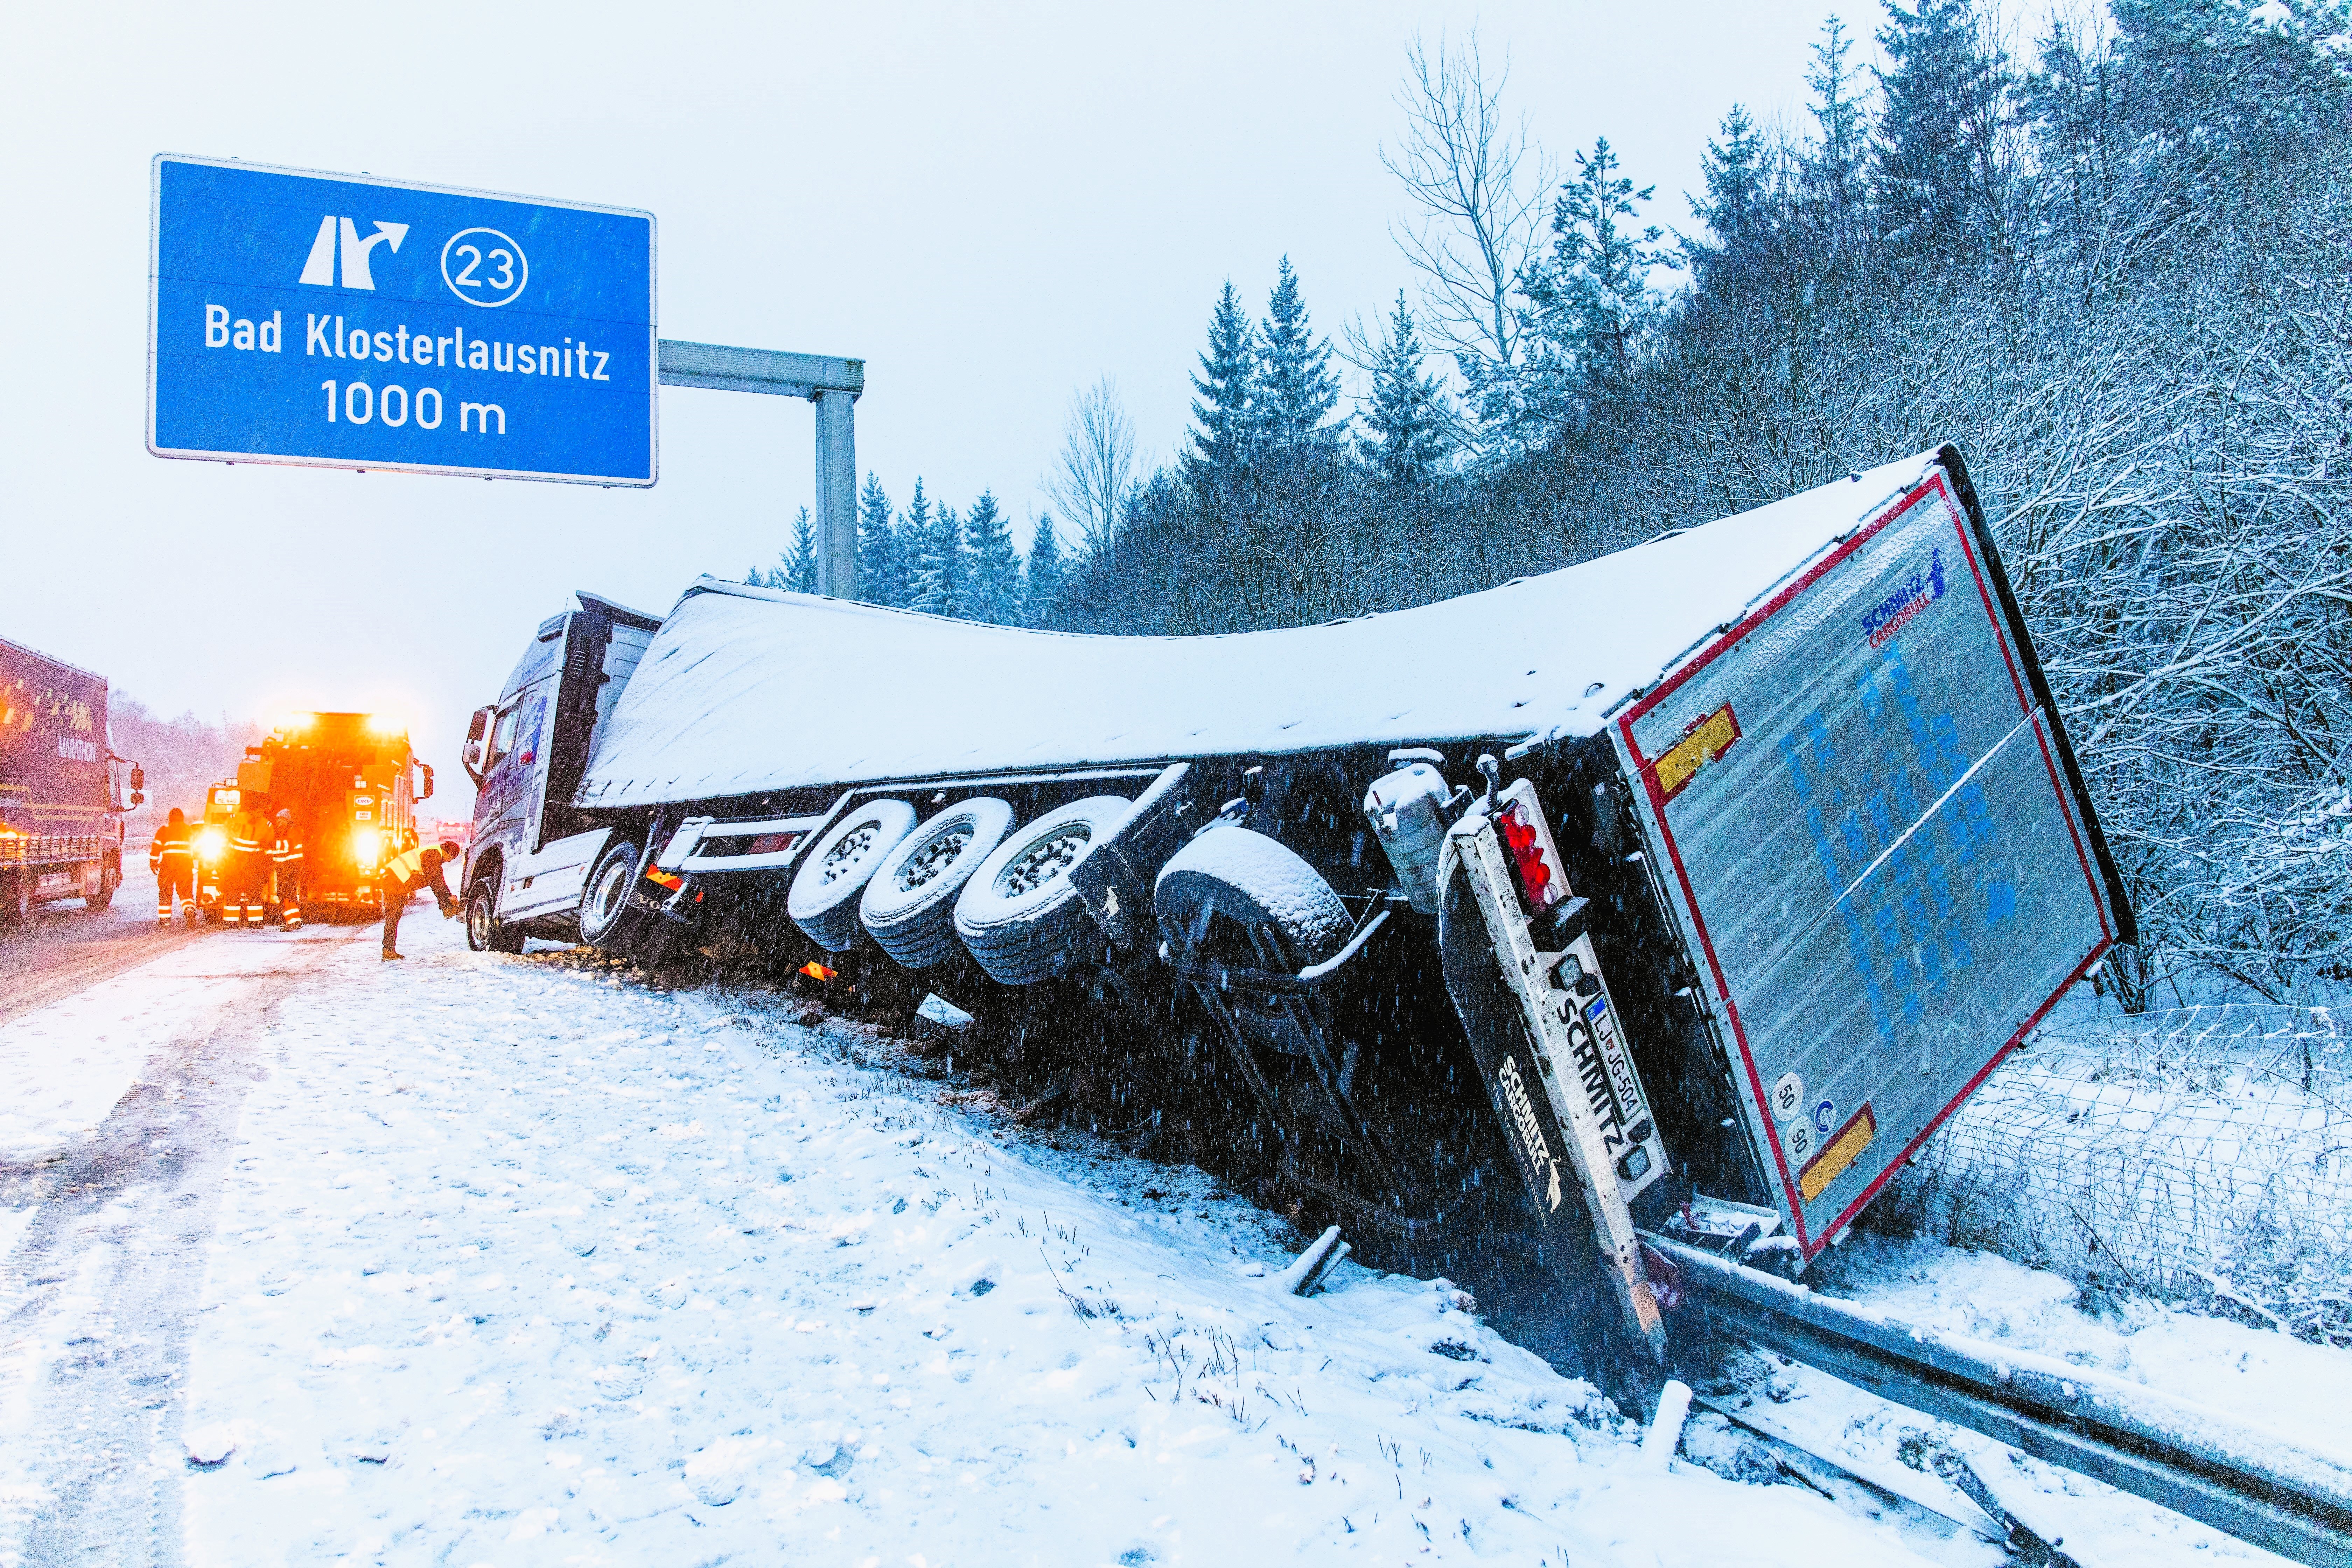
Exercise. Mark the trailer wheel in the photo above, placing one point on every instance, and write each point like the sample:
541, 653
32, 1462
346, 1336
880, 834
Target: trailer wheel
483, 932
1020, 915
909, 903
1260, 886
607, 923
827, 889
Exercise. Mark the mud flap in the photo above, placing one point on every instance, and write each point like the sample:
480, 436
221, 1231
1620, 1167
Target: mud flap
1513, 1015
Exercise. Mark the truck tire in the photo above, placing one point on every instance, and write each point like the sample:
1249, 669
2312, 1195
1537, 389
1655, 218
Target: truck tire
609, 921
483, 932
1259, 885
1020, 915
107, 879
15, 899
827, 889
909, 903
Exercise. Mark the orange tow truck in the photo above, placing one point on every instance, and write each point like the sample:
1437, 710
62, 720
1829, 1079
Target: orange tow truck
352, 781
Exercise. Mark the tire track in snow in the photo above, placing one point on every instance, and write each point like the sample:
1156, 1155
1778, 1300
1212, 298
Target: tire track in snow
97, 1300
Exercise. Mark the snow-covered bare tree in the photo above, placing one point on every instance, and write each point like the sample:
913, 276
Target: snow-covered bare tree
1481, 189
1090, 480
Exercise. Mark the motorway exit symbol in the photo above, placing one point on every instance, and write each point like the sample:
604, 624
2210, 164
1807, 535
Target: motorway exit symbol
364, 323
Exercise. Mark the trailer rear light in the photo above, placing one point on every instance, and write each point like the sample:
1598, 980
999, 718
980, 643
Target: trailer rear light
1519, 818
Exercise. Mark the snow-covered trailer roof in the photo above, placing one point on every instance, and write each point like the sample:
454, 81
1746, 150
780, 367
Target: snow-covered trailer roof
746, 690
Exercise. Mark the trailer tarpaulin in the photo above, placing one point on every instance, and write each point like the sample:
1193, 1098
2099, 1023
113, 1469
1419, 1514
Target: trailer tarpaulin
746, 690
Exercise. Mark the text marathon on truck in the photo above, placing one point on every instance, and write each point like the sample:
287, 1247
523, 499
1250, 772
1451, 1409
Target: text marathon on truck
364, 323
1686, 889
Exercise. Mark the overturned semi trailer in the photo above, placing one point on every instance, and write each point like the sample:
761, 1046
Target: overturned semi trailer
1705, 879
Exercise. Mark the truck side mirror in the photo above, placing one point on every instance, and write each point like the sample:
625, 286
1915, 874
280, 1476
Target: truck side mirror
472, 755
137, 800
427, 792
138, 778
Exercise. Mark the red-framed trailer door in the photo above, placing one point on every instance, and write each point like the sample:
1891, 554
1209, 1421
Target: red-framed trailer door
1866, 822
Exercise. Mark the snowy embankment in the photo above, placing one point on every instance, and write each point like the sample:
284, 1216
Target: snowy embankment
517, 1261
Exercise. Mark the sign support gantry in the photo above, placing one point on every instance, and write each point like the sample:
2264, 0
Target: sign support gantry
834, 385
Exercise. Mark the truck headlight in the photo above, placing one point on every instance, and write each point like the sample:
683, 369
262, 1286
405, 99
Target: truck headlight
212, 843
366, 843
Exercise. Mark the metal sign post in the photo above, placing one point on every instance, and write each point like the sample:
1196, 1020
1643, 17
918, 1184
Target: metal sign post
834, 385
333, 322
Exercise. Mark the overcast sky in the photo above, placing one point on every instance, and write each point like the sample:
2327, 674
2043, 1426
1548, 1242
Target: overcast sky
991, 205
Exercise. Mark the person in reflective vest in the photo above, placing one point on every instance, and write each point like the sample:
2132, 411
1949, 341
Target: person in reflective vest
410, 871
247, 875
172, 857
286, 858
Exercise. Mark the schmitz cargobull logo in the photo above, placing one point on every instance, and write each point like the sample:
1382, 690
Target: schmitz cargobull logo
1528, 1131
1908, 601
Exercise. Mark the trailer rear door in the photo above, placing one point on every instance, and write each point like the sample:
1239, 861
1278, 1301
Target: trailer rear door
1875, 839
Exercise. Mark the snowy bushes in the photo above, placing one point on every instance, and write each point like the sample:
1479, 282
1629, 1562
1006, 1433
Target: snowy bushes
2202, 1155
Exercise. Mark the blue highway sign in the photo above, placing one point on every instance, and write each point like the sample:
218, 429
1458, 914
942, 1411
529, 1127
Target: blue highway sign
364, 323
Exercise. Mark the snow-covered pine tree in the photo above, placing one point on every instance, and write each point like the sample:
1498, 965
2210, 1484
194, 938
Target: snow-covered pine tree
993, 568
881, 568
1941, 182
1407, 416
799, 573
1591, 304
913, 534
1040, 587
1834, 163
1297, 387
1734, 207
1225, 409
939, 577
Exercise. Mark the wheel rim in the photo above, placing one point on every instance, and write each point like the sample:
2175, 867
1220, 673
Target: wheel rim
612, 890
478, 921
1043, 861
932, 861
848, 853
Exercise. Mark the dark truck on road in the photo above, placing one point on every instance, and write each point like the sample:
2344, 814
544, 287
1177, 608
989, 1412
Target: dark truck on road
1694, 886
63, 791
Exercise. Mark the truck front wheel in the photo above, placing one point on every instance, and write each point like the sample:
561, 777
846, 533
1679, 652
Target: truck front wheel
483, 932
15, 899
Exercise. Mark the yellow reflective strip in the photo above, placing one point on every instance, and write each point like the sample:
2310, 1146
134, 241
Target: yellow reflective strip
1709, 740
1839, 1152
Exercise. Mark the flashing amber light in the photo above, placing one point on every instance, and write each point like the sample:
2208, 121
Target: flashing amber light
816, 971
384, 724
293, 724
367, 843
212, 843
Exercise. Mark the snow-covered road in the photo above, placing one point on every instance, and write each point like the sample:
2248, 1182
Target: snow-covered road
480, 1260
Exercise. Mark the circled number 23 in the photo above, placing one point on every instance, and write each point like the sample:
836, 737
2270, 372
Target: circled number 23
484, 266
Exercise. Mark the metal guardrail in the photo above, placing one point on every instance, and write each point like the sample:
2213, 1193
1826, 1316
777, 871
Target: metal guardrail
2256, 1487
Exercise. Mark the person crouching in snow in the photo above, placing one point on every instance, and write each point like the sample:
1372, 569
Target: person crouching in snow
410, 871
